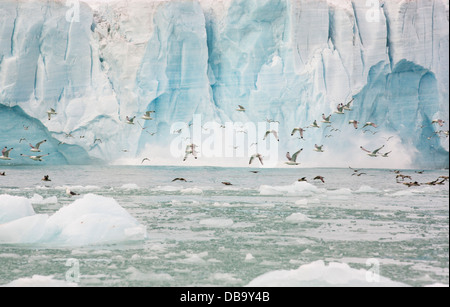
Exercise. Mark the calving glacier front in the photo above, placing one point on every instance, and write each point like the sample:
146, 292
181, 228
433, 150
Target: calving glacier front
291, 61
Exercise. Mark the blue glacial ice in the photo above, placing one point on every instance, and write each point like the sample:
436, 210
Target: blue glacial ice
97, 62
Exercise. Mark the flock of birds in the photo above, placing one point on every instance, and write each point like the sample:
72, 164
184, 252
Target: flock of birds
190, 149
340, 110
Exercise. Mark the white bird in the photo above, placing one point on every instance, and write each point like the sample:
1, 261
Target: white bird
440, 122
340, 109
240, 108
293, 160
253, 157
147, 115
35, 158
71, 193
354, 122
50, 113
269, 132
35, 148
190, 150
326, 119
315, 125
5, 153
129, 120
347, 106
318, 148
271, 121
385, 155
300, 130
370, 124
372, 153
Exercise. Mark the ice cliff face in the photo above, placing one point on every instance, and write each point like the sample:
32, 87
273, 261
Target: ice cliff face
96, 62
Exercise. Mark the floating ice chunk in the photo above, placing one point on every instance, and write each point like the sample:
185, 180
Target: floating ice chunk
130, 186
249, 257
367, 189
39, 200
14, 207
319, 274
192, 191
91, 220
40, 281
297, 218
340, 192
297, 188
28, 229
301, 202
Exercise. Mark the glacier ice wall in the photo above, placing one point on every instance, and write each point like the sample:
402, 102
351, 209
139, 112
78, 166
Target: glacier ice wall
97, 62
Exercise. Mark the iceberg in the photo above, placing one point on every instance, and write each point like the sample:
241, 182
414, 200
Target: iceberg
90, 220
97, 62
320, 274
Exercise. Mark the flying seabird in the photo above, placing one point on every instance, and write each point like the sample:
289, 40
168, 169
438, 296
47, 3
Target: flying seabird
340, 109
35, 148
354, 122
293, 160
50, 113
147, 115
129, 120
354, 170
440, 122
259, 156
359, 174
370, 124
179, 179
71, 193
35, 158
326, 119
372, 153
320, 178
412, 184
315, 125
300, 130
145, 159
240, 108
269, 132
318, 148
5, 153
190, 150
385, 155
303, 179
347, 106
271, 121
403, 177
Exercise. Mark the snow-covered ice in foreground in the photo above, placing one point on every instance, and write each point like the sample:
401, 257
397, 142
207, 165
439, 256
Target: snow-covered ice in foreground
89, 220
319, 274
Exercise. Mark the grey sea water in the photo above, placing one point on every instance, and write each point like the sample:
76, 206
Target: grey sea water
204, 233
